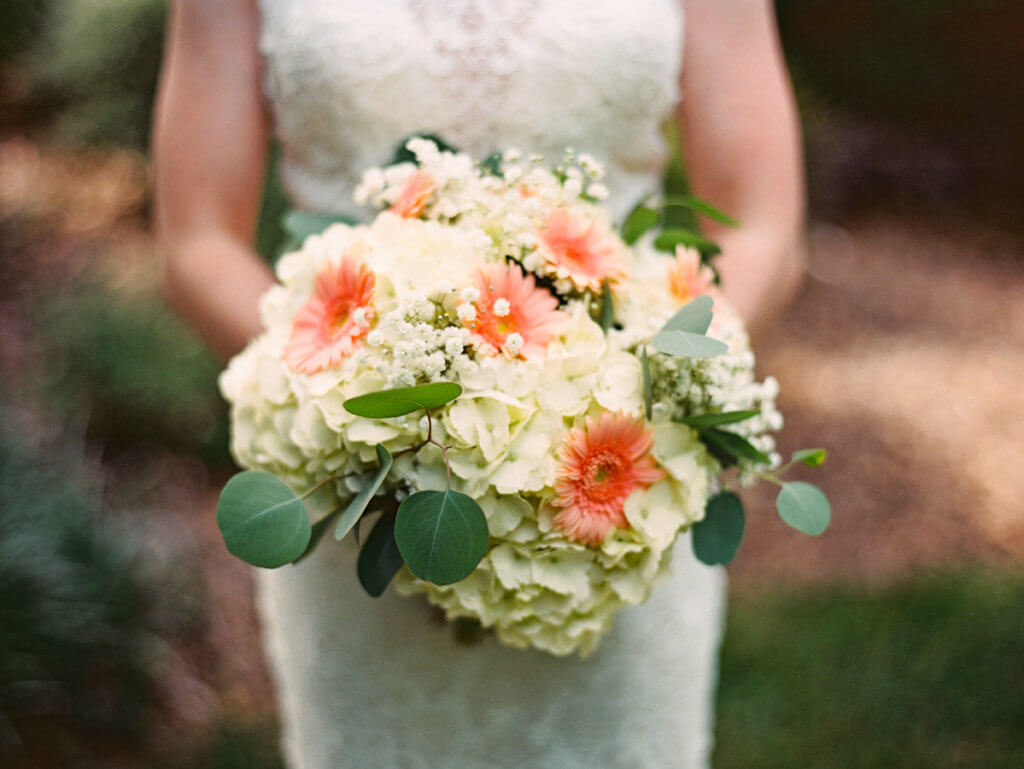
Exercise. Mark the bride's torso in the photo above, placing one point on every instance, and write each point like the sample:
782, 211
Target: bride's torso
374, 682
347, 80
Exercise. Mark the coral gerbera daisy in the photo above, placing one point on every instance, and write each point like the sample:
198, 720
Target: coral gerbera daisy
512, 315
600, 467
687, 278
330, 325
581, 249
413, 197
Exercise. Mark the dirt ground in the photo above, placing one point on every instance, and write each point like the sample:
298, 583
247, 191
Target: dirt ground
903, 356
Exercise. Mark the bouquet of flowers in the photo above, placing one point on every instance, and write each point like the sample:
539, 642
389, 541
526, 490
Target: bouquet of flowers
532, 405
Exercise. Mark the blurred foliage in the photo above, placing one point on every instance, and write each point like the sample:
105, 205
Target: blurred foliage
943, 62
20, 23
924, 675
96, 65
236, 746
81, 612
270, 235
135, 371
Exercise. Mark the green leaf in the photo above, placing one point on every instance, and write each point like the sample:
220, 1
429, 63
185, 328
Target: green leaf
804, 507
607, 307
379, 559
404, 155
667, 240
442, 535
735, 446
299, 225
694, 316
700, 207
645, 367
359, 502
724, 418
810, 457
492, 164
263, 521
687, 344
717, 537
399, 401
639, 221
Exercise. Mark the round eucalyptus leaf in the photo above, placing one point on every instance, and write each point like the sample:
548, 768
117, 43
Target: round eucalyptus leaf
263, 521
717, 537
688, 345
694, 316
400, 401
804, 507
442, 535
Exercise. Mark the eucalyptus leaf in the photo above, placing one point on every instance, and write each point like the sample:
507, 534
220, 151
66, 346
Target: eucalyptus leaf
442, 535
359, 502
700, 207
645, 367
735, 446
804, 507
379, 559
607, 307
299, 225
694, 316
640, 220
688, 345
262, 520
717, 537
667, 240
724, 418
810, 457
400, 401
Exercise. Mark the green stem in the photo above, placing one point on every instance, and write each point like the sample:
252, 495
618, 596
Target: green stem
324, 483
764, 476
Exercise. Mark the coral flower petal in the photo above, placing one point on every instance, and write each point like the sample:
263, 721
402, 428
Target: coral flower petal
687, 278
331, 324
511, 304
581, 249
414, 195
600, 467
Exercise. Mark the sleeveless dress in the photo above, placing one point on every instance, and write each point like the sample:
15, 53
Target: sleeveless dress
366, 682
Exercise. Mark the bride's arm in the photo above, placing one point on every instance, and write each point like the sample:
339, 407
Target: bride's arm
209, 155
740, 135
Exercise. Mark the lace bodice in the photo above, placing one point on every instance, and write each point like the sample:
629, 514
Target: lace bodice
348, 80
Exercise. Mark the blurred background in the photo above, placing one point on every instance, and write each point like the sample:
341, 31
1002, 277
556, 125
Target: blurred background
127, 635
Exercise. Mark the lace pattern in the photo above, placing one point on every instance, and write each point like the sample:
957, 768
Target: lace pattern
347, 81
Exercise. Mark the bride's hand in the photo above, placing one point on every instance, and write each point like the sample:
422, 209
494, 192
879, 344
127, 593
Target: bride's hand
209, 155
740, 132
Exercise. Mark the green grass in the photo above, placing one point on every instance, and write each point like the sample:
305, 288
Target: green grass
928, 674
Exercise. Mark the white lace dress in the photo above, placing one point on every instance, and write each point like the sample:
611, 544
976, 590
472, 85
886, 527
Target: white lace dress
380, 682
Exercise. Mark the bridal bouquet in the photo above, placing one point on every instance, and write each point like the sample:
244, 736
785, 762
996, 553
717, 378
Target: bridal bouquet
533, 405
